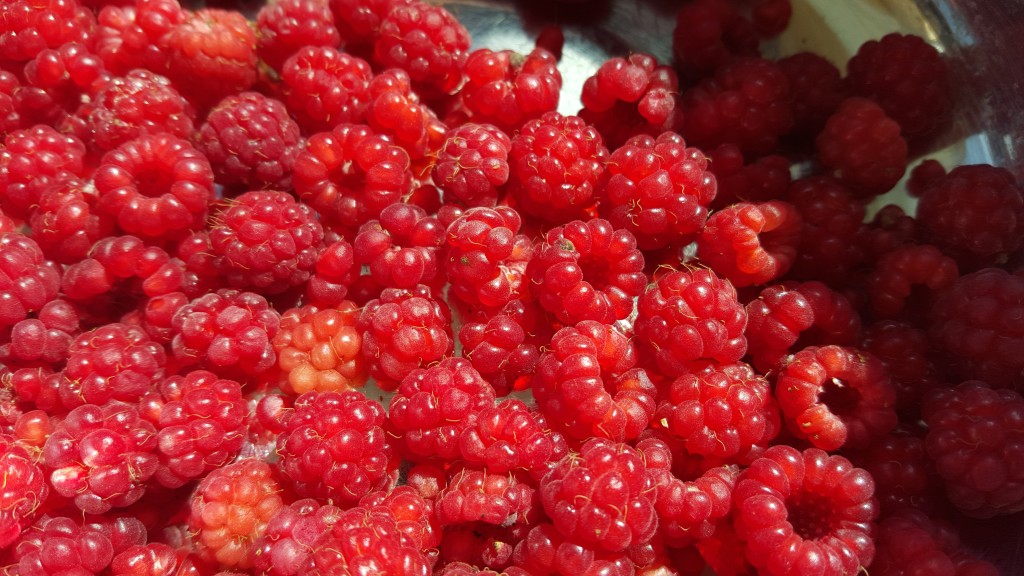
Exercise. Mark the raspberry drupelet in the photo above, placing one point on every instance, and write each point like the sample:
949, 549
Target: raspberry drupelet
507, 89
472, 164
319, 349
285, 27
31, 160
401, 248
428, 43
25, 491
324, 87
290, 534
751, 244
863, 148
486, 257
27, 280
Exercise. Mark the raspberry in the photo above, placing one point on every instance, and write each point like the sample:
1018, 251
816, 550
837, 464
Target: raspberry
924, 175
863, 148
226, 331
31, 161
832, 218
395, 110
504, 345
587, 271
324, 87
402, 248
775, 321
836, 321
658, 189
751, 244
479, 496
509, 436
154, 559
58, 545
602, 497
57, 82
45, 338
334, 447
975, 214
689, 510
250, 140
27, 281
545, 551
101, 456
903, 474
334, 274
350, 174
481, 543
627, 97
267, 241
555, 164
836, 397
765, 179
905, 280
746, 103
211, 54
230, 509
972, 322
201, 273
285, 27
771, 17
359, 21
911, 541
708, 34
10, 117
817, 88
320, 349
201, 424
687, 316
121, 266
720, 411
805, 512
507, 89
413, 514
432, 407
127, 36
25, 489
908, 78
366, 541
30, 27
464, 569
472, 164
907, 354
284, 547
112, 362
427, 42
486, 257
156, 186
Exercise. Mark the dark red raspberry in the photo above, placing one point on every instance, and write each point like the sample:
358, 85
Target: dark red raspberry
771, 17
751, 244
908, 78
404, 330
320, 349
359, 21
57, 82
746, 103
486, 257
31, 161
101, 456
688, 510
118, 270
708, 34
324, 87
112, 362
891, 228
472, 164
350, 174
488, 497
767, 178
211, 54
395, 110
832, 219
974, 213
27, 281
805, 513
904, 281
545, 550
285, 27
28, 27
817, 88
658, 189
507, 89
61, 545
201, 424
503, 346
226, 331
402, 248
335, 273
368, 541
911, 542
923, 175
432, 407
601, 498
903, 473
908, 356
690, 315
127, 36
863, 148
974, 439
334, 447
631, 96
250, 140
427, 42
836, 397
285, 545
587, 271
156, 186
509, 436
588, 384
25, 488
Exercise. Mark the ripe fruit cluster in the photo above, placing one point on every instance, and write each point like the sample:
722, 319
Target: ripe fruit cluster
325, 291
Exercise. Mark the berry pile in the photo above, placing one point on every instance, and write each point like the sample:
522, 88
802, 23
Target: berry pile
320, 290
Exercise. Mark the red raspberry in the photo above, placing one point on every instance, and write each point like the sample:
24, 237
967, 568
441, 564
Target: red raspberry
472, 164
974, 213
320, 349
27, 27
509, 436
402, 248
804, 513
250, 140
230, 509
746, 103
226, 331
366, 541
903, 474
57, 82
974, 439
24, 491
486, 257
775, 321
395, 110
44, 339
911, 541
350, 174
266, 240
285, 27
836, 397
720, 412
690, 315
908, 78
201, 273
771, 17
464, 569
101, 456
631, 96
201, 424
688, 511
122, 266
556, 162
427, 42
487, 497
751, 244
863, 148
10, 117
817, 88
31, 161
603, 497
432, 407
404, 330
60, 545
481, 543
334, 274
708, 34
908, 356
359, 21
285, 545
324, 87
112, 362
156, 186
587, 271
904, 281
765, 179
503, 346
27, 281
334, 447
413, 514
972, 323
127, 36
832, 219
155, 559
211, 54
545, 551
507, 89
658, 189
